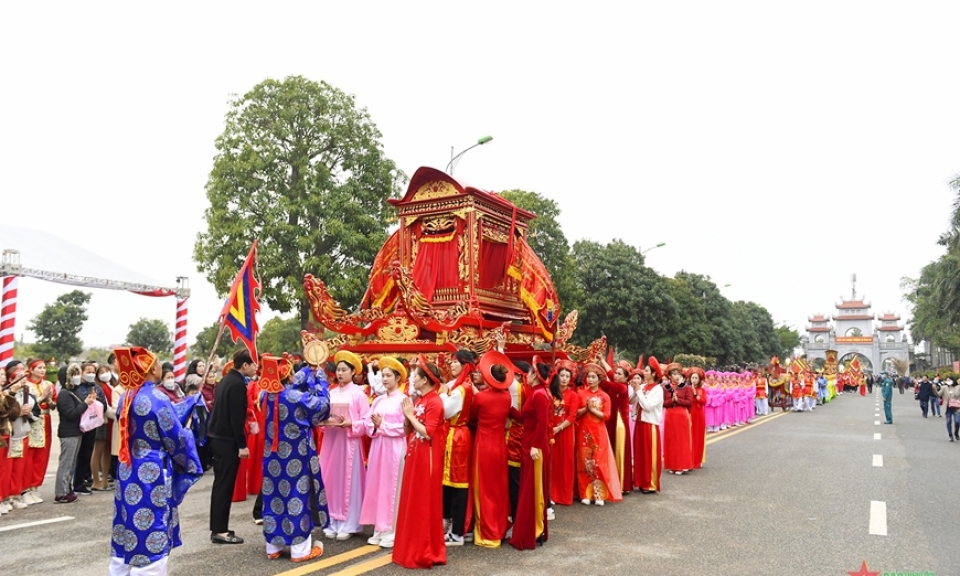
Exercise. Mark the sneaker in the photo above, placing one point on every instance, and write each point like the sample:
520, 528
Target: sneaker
342, 536
314, 554
68, 499
468, 537
599, 502
375, 539
27, 498
35, 494
82, 491
550, 514
585, 501
5, 508
386, 544
329, 533
453, 540
17, 503
258, 521
447, 525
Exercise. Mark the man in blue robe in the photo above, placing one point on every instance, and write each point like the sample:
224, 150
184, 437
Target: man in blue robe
294, 500
158, 464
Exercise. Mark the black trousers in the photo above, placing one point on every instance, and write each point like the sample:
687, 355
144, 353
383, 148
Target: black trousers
226, 462
81, 472
455, 507
513, 484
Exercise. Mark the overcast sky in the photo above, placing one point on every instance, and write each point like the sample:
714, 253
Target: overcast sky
775, 146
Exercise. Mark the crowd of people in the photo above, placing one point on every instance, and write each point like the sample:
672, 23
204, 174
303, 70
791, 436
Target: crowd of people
430, 455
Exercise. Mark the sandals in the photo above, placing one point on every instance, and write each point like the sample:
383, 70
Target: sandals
230, 538
315, 553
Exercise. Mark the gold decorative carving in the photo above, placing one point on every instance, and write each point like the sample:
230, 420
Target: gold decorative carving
462, 265
438, 224
435, 189
398, 329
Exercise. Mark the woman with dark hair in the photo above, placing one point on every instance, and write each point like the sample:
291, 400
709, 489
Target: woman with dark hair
530, 523
562, 466
83, 475
457, 397
647, 445
168, 386
597, 475
341, 457
520, 391
100, 460
490, 496
384, 426
196, 366
71, 407
677, 445
615, 385
419, 527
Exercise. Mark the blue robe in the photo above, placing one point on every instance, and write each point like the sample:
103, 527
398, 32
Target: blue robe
292, 486
192, 411
163, 466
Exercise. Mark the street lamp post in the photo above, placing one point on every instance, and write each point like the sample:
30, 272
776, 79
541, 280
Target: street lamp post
642, 252
454, 160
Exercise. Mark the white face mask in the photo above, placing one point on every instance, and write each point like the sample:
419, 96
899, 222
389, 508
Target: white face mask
105, 377
89, 378
75, 380
170, 384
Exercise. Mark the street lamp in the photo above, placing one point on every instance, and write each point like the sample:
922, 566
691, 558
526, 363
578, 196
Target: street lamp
642, 252
452, 165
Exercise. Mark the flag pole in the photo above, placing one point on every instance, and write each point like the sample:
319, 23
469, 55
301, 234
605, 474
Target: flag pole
213, 352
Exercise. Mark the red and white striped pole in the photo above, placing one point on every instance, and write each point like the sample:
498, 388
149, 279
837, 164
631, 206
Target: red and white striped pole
180, 342
8, 316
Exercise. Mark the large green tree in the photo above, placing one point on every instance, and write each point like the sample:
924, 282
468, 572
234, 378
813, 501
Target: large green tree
688, 331
205, 339
300, 167
726, 344
279, 335
152, 334
58, 326
789, 340
623, 299
549, 242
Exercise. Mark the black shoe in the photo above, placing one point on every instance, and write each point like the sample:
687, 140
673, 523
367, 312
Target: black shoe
230, 538
82, 491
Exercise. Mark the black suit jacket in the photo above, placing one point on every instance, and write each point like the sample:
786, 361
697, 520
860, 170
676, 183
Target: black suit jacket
229, 413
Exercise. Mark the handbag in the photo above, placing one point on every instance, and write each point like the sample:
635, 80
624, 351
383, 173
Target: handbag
92, 417
953, 403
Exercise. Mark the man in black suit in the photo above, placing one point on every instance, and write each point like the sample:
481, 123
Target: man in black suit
228, 443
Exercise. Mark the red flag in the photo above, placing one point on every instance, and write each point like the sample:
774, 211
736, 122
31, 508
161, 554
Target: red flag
239, 311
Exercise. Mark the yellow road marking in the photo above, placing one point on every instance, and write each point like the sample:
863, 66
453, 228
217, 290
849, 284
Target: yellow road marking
331, 561
750, 427
371, 564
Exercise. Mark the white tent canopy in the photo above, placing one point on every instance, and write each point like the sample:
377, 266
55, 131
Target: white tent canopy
63, 262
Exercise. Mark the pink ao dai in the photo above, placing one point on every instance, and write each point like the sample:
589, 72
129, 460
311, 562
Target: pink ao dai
387, 449
340, 454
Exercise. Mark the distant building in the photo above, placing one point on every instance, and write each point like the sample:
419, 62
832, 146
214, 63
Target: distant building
854, 332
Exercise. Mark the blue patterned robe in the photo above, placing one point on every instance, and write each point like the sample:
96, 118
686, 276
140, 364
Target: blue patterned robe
163, 466
292, 487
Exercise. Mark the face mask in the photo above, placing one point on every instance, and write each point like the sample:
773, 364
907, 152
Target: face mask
75, 380
105, 377
89, 378
170, 384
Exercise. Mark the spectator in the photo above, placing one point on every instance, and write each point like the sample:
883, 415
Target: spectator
924, 392
169, 387
228, 443
82, 475
71, 407
935, 402
100, 464
950, 393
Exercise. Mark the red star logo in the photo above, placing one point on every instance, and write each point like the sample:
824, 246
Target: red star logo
863, 571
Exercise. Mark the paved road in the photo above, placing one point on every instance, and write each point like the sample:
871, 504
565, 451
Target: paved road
791, 494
